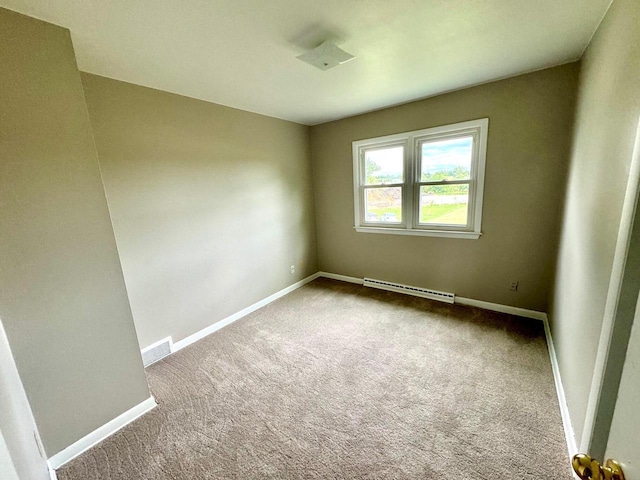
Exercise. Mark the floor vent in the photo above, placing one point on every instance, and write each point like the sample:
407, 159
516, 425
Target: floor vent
157, 351
409, 290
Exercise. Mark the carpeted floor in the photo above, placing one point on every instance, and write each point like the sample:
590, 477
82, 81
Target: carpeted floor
341, 381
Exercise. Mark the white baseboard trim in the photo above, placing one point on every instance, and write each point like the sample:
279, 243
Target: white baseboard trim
52, 474
497, 307
343, 278
179, 345
569, 433
99, 434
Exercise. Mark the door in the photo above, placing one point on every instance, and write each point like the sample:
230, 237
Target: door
612, 424
624, 437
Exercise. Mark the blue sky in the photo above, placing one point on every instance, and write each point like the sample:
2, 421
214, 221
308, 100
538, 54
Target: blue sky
438, 155
446, 154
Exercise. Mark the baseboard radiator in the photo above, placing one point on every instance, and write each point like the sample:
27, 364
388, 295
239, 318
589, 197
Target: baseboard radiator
409, 290
157, 351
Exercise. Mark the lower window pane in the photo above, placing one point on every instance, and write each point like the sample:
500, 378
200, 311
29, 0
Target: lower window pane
383, 205
444, 204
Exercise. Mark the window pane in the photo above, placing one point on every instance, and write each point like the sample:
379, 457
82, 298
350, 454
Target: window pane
384, 165
446, 159
444, 204
383, 205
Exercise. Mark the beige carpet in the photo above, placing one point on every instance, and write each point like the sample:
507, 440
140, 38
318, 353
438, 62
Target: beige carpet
341, 381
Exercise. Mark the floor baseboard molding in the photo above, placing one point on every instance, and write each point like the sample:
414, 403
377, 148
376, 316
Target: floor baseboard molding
343, 278
179, 345
497, 307
99, 434
569, 433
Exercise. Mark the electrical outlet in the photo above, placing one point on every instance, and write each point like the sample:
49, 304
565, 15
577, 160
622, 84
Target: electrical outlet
514, 285
293, 269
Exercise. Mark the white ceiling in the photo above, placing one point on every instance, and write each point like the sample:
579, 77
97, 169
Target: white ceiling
242, 53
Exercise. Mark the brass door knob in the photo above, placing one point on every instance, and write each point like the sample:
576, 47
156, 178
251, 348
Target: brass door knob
589, 469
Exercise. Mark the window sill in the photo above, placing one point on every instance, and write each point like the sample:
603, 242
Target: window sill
420, 233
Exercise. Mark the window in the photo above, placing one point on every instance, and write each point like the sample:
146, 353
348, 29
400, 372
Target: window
428, 182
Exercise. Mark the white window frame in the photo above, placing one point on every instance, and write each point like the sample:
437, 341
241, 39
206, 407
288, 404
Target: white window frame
412, 141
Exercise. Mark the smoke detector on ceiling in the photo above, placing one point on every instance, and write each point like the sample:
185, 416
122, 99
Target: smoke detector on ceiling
326, 56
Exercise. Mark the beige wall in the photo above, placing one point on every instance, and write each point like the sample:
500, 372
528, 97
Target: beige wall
529, 133
210, 205
607, 115
62, 294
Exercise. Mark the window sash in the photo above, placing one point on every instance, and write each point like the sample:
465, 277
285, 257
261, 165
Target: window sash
362, 173
445, 182
405, 205
383, 146
419, 141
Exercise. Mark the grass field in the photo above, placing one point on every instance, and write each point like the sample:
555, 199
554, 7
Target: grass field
451, 214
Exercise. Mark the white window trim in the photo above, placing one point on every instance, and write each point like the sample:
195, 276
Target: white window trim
411, 142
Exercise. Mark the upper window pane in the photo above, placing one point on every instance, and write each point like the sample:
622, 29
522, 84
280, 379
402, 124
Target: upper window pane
446, 159
384, 165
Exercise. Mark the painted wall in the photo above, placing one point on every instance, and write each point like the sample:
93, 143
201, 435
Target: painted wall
529, 134
211, 205
62, 294
607, 115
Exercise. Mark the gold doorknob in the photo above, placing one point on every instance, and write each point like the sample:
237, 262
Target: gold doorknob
589, 469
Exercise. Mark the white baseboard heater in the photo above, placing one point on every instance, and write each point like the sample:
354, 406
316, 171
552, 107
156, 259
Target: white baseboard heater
409, 290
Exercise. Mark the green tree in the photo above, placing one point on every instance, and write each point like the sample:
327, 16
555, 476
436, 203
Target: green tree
457, 173
371, 168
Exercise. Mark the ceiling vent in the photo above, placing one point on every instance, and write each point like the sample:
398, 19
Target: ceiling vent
326, 56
